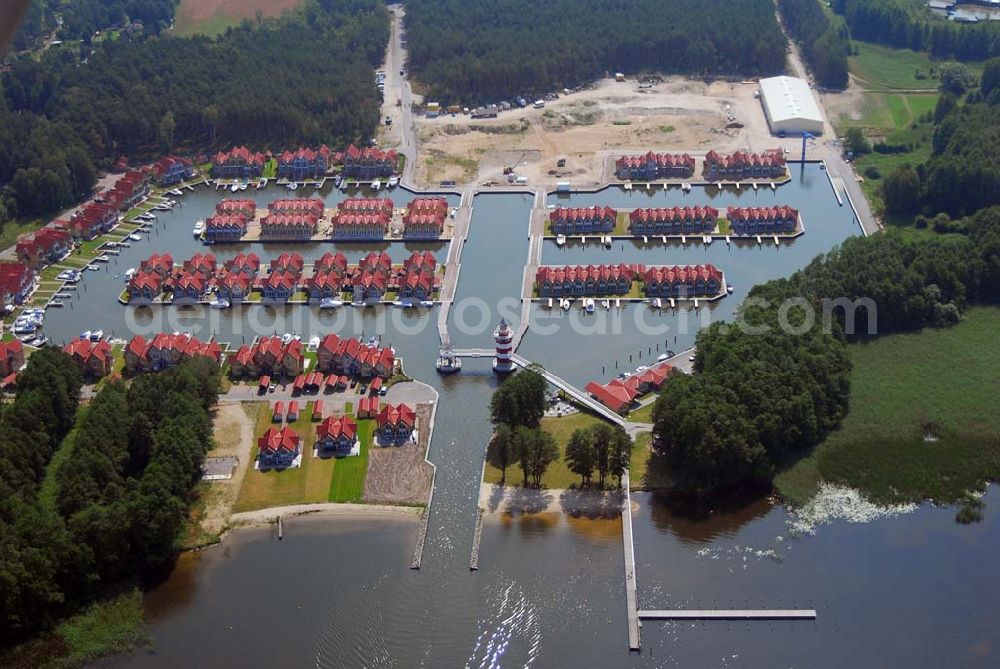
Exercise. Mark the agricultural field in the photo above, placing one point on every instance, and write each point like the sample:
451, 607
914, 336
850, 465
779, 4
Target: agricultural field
211, 17
923, 423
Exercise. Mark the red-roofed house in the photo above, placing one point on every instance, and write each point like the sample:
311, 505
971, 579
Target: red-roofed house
93, 358
582, 220
673, 220
11, 357
352, 358
238, 163
44, 246
278, 448
618, 398
170, 170
682, 281
270, 356
304, 164
593, 280
762, 220
165, 350
368, 163
144, 287
424, 218
395, 424
225, 228
336, 436
17, 280
127, 192
742, 165
288, 227
655, 166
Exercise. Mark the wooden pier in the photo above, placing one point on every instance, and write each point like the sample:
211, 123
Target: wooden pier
729, 614
631, 594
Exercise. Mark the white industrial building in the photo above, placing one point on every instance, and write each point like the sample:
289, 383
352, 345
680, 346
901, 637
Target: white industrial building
790, 106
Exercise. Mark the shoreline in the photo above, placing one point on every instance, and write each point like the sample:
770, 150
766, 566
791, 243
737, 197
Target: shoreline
349, 511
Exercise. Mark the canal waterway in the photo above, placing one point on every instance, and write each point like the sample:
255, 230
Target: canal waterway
909, 590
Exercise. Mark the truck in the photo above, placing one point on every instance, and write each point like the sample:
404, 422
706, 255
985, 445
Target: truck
539, 104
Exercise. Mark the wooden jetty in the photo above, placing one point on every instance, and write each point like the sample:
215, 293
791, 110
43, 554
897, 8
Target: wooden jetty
729, 614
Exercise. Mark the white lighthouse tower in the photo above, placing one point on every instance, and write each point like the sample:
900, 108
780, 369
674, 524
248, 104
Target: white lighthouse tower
504, 337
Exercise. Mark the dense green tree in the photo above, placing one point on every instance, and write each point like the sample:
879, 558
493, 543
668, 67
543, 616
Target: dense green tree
990, 80
901, 191
500, 452
581, 456
520, 400
536, 450
482, 50
823, 40
856, 142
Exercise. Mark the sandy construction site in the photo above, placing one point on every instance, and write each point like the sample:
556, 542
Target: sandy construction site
590, 128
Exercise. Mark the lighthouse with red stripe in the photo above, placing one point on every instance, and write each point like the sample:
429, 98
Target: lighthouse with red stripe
504, 337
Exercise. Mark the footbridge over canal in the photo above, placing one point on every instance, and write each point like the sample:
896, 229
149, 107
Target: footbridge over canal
563, 385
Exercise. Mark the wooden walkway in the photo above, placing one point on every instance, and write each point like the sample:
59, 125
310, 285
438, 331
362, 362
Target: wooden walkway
631, 590
729, 614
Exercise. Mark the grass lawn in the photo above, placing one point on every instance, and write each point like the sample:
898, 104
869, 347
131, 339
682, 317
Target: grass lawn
49, 489
270, 169
642, 414
11, 230
886, 67
939, 381
558, 475
316, 480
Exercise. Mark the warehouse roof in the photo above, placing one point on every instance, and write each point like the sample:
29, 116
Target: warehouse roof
789, 98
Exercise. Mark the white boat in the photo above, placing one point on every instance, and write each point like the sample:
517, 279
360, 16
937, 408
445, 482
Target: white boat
313, 342
219, 303
376, 184
261, 184
234, 188
454, 210
244, 185
343, 184
427, 303
628, 186
293, 186
607, 241
95, 268
25, 328
686, 187
55, 302
566, 305
135, 238
729, 287
658, 303
397, 303
560, 240
102, 258
606, 304
393, 181
447, 363
330, 303
640, 369
588, 305
199, 228
176, 192
129, 273
96, 335
38, 342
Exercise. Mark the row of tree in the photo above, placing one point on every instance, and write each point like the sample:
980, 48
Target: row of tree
482, 50
517, 408
116, 503
962, 175
823, 41
761, 397
908, 25
68, 112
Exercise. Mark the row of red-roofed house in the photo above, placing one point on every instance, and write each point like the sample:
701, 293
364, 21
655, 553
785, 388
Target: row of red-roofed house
682, 281
11, 362
200, 275
655, 166
240, 162
285, 358
96, 358
336, 436
620, 394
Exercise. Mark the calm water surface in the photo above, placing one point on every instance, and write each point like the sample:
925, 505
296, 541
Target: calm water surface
908, 591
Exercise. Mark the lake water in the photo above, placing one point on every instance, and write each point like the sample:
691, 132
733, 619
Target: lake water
912, 590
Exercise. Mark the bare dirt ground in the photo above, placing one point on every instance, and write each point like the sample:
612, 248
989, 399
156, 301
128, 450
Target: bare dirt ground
234, 425
400, 475
590, 127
